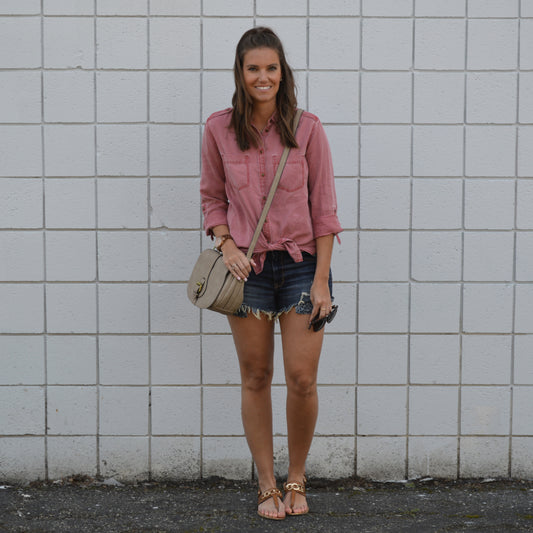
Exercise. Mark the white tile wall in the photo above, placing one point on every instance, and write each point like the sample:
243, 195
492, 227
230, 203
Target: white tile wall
382, 359
381, 458
68, 42
435, 359
20, 42
23, 458
108, 370
121, 96
71, 410
126, 458
71, 454
71, 359
175, 457
22, 360
440, 44
66, 7
433, 410
15, 160
387, 44
432, 456
484, 456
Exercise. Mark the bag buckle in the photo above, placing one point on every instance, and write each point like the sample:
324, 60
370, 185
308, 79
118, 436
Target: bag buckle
200, 285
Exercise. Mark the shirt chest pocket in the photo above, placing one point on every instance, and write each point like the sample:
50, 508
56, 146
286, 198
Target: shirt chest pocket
237, 171
293, 177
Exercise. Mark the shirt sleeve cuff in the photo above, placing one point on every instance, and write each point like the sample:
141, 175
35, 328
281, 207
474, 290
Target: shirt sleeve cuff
326, 225
214, 219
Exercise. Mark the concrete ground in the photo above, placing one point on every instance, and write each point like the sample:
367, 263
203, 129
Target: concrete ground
82, 504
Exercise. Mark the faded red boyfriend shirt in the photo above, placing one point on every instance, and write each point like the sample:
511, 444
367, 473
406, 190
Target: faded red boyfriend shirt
235, 184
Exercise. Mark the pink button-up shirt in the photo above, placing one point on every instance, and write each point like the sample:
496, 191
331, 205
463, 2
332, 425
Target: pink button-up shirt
234, 186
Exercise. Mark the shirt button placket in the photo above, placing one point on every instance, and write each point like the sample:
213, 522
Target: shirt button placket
262, 167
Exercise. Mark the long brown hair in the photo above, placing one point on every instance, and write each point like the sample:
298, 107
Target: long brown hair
241, 118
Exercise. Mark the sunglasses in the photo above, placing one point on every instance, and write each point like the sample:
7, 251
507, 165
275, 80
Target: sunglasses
318, 323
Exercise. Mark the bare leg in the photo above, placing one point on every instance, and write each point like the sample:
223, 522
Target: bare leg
301, 352
254, 341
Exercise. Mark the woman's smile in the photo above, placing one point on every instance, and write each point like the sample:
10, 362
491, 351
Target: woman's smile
262, 74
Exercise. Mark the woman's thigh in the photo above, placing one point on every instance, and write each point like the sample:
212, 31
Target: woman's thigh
254, 342
301, 347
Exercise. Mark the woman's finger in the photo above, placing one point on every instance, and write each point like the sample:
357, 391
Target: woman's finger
315, 314
321, 305
323, 311
236, 270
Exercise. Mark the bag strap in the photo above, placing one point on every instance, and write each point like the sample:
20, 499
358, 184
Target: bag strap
274, 186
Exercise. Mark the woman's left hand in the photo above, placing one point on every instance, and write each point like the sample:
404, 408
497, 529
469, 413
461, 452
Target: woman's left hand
321, 299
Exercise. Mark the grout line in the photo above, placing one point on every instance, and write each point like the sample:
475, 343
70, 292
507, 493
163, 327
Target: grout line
96, 234
463, 218
409, 261
410, 246
201, 313
279, 384
149, 242
45, 273
515, 250
358, 237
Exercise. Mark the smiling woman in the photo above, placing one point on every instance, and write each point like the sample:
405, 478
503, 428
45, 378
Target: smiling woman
262, 76
259, 62
288, 276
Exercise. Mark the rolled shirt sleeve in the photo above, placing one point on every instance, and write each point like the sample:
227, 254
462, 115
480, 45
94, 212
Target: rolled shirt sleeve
322, 197
212, 183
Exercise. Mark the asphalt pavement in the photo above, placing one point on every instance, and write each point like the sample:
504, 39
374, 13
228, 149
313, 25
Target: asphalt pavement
82, 504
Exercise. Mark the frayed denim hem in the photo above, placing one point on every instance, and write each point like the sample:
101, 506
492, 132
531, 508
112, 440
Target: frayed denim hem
303, 307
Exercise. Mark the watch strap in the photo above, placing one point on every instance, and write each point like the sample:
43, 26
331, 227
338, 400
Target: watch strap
223, 239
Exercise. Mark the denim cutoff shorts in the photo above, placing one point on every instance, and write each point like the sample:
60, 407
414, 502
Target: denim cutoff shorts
280, 286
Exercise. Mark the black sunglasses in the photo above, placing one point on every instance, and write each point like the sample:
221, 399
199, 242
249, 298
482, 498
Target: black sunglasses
318, 323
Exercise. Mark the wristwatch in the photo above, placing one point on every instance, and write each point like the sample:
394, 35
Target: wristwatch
220, 240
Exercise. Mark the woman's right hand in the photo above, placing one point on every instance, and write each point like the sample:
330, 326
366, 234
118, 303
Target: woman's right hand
236, 262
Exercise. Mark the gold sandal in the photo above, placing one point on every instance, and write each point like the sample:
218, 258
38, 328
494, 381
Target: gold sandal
274, 493
294, 487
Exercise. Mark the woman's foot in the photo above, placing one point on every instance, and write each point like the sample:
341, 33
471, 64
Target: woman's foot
295, 500
270, 504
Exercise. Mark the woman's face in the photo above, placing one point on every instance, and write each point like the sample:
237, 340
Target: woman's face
262, 74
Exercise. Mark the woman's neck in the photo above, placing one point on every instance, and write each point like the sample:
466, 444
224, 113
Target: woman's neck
261, 115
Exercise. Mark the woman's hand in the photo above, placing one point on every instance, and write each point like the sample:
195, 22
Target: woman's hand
320, 298
236, 262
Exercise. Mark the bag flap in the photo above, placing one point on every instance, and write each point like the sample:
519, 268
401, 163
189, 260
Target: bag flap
207, 278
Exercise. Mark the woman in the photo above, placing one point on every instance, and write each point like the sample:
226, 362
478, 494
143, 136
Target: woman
288, 277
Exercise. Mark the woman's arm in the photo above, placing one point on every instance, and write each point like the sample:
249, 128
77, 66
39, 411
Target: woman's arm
320, 294
326, 225
236, 262
212, 183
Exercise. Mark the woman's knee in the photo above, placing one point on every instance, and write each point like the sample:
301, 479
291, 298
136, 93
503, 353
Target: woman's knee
256, 378
301, 383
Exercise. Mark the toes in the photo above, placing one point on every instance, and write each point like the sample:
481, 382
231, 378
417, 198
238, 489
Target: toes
270, 512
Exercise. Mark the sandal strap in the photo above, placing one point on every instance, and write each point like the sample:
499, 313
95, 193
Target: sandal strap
294, 486
270, 493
